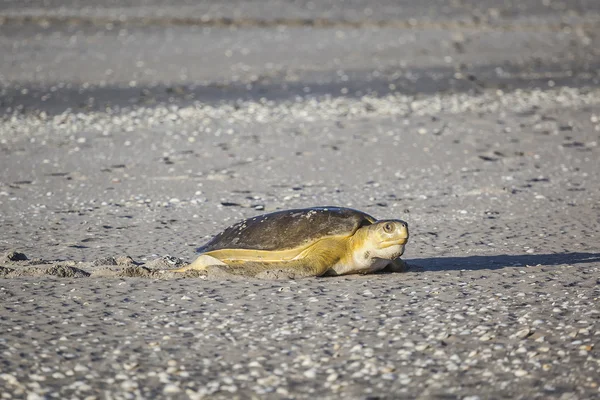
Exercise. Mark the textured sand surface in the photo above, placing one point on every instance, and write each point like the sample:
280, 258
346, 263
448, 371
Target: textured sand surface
494, 333
132, 132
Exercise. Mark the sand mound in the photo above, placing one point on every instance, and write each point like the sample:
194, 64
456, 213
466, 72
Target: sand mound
14, 264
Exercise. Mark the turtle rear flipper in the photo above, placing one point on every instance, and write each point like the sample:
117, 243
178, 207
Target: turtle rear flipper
200, 264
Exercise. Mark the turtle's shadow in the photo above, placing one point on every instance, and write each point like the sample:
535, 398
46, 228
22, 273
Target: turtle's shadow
501, 261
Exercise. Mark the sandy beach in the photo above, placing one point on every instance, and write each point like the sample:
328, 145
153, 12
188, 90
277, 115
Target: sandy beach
132, 132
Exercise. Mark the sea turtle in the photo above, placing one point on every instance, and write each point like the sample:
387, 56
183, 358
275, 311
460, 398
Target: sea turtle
306, 242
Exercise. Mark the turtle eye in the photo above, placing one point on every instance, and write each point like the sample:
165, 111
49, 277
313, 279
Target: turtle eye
388, 227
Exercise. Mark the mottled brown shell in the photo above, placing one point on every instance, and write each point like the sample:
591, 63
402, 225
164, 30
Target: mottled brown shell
289, 229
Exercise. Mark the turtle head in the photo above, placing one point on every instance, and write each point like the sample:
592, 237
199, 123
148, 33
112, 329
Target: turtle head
373, 246
386, 238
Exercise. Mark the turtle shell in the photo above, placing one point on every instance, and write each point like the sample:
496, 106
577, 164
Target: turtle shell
289, 229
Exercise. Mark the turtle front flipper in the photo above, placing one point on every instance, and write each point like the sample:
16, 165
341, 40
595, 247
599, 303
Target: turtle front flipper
396, 265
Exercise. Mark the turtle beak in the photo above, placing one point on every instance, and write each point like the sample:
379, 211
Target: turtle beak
395, 242
404, 230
